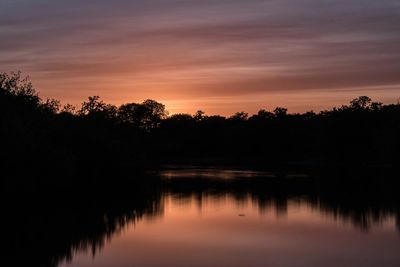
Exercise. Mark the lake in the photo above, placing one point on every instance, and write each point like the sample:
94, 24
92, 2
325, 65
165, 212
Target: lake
215, 224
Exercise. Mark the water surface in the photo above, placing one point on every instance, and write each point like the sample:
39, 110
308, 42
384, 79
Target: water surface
214, 227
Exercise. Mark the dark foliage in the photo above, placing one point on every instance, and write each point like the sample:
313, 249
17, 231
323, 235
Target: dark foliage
42, 139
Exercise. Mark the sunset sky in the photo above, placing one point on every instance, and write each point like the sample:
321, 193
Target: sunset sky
220, 56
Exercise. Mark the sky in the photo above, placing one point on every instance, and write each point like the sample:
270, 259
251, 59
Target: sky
220, 56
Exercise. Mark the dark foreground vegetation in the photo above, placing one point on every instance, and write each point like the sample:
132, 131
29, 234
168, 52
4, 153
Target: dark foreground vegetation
43, 139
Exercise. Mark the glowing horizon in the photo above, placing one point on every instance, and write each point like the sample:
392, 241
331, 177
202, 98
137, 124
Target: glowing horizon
213, 55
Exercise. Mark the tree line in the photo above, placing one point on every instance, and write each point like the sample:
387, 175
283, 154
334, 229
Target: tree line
43, 138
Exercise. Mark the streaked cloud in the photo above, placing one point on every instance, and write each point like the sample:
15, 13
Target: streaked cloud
217, 55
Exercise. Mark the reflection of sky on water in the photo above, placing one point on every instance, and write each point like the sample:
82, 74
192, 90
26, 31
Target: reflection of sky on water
230, 230
210, 173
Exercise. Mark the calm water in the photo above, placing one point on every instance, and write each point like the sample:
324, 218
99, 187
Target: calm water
228, 228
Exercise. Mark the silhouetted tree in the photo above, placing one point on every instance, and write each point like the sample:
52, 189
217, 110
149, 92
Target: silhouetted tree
262, 116
262, 113
239, 116
95, 107
199, 116
280, 112
376, 106
147, 115
310, 115
361, 102
68, 108
51, 105
154, 113
19, 89
183, 118
130, 113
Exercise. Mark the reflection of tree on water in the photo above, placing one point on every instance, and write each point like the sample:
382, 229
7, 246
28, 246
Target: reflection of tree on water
362, 217
398, 221
39, 233
363, 202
